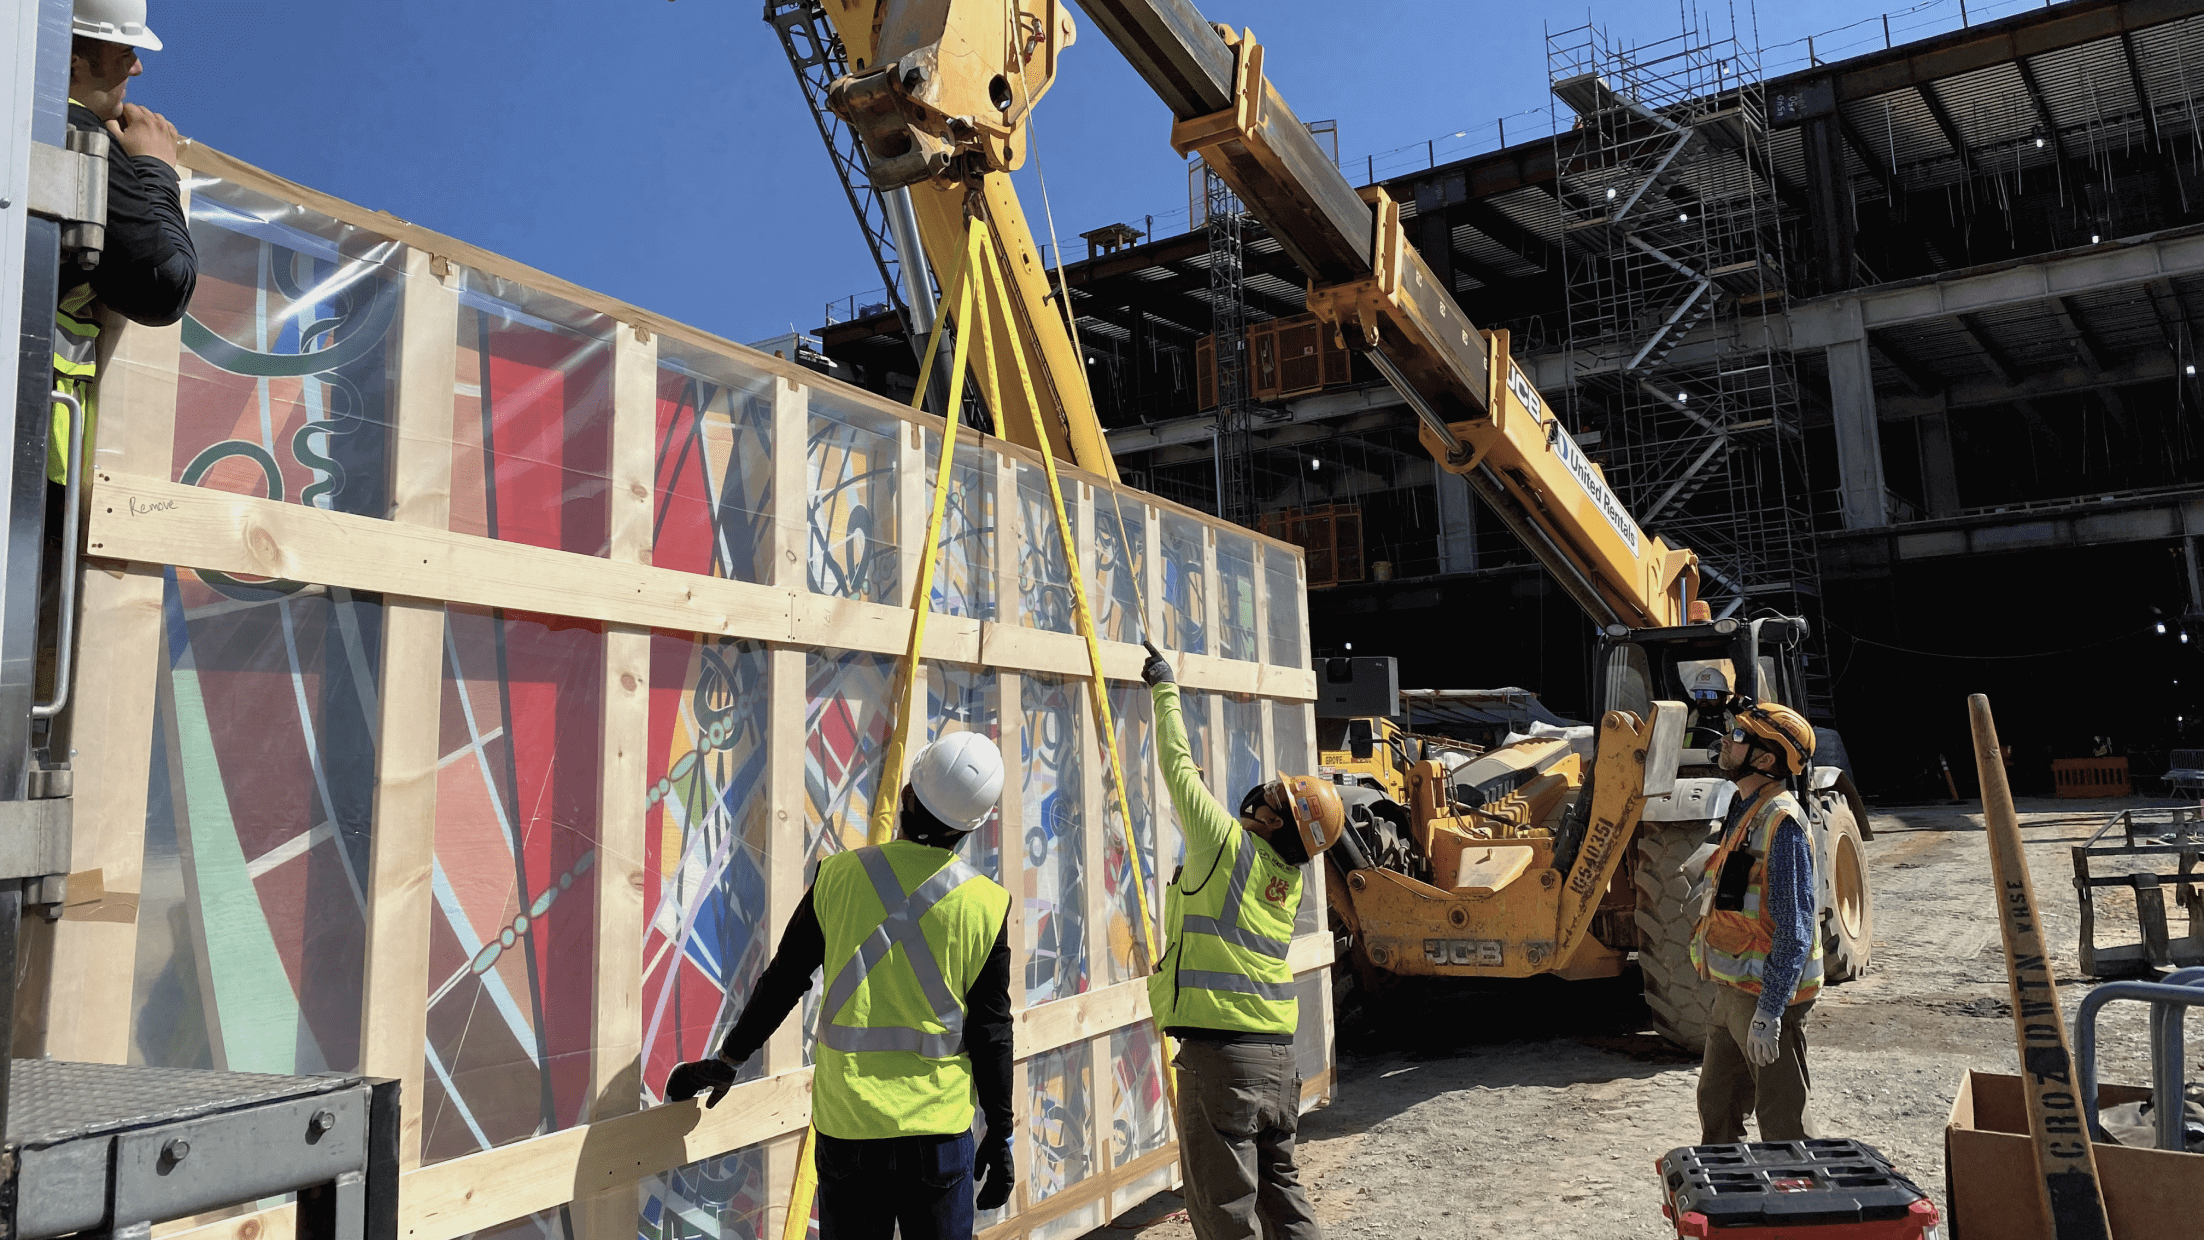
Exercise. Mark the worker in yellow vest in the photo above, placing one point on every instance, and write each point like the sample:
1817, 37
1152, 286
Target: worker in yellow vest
1224, 990
1757, 936
914, 946
146, 269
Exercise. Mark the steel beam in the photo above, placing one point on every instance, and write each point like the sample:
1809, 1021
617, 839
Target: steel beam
1942, 116
1915, 375
2121, 264
1992, 352
2142, 95
2029, 33
2093, 346
1320, 220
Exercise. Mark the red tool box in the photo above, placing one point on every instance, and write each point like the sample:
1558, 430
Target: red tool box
1792, 1190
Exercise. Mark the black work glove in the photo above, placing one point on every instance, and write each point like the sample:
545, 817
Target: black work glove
687, 1080
992, 1167
1156, 671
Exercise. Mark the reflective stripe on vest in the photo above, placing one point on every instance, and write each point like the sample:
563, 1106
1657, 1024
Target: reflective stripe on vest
1731, 945
76, 362
899, 929
1229, 928
76, 335
1222, 972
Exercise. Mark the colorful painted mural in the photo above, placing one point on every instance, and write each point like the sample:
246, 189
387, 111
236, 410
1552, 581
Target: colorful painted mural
851, 455
1282, 608
1059, 1097
1140, 1120
1121, 557
511, 998
284, 385
1052, 796
1236, 612
531, 417
964, 575
1044, 573
724, 1198
251, 916
714, 466
1133, 714
1184, 608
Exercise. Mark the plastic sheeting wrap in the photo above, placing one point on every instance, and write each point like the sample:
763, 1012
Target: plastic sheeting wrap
532, 417
1052, 774
1133, 712
852, 455
252, 916
284, 385
713, 467
579, 825
510, 994
1236, 618
964, 579
1121, 558
1044, 578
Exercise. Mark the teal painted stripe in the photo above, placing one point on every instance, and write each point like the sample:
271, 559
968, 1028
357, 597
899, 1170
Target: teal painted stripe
261, 1024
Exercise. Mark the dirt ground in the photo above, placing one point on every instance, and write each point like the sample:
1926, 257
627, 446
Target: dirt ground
1538, 1109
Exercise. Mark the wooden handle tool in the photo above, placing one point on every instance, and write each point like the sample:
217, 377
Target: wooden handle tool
2072, 1198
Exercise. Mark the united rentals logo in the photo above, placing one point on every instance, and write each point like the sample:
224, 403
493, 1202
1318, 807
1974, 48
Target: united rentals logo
1276, 891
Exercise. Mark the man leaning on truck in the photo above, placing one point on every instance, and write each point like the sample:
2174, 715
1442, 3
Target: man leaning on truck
1224, 990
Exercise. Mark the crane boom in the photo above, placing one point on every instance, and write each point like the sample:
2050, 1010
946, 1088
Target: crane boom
1481, 416
924, 116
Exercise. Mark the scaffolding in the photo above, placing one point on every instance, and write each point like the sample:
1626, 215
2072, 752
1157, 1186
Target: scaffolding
1673, 249
1228, 333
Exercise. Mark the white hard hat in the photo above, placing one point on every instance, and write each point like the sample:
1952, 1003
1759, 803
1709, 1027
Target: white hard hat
114, 21
958, 779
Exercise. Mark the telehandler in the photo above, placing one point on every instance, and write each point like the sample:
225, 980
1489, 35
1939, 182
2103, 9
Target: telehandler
1529, 859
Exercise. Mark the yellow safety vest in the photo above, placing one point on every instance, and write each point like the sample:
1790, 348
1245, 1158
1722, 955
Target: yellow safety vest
1730, 946
908, 928
1230, 931
76, 364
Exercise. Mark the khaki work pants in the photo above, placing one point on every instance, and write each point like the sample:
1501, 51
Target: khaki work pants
1730, 1088
1239, 1106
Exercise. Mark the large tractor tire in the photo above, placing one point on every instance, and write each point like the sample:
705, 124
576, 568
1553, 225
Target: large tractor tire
1670, 858
1848, 905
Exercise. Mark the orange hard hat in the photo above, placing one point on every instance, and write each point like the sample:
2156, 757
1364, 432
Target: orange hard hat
1317, 813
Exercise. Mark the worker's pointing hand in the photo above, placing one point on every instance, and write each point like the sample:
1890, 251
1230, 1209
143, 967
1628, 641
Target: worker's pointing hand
687, 1080
1764, 1041
143, 131
1157, 670
992, 1169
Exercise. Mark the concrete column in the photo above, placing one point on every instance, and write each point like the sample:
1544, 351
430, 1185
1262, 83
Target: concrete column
1457, 523
1859, 439
1939, 475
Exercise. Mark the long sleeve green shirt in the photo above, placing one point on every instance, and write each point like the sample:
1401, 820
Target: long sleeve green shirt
1207, 825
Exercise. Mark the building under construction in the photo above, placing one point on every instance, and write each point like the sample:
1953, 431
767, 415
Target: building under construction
1877, 338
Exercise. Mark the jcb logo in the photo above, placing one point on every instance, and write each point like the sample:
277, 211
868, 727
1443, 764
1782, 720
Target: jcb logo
1276, 892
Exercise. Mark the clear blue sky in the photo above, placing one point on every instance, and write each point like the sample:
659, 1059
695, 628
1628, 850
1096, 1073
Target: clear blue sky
659, 150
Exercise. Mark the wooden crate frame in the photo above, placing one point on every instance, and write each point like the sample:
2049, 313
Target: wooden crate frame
142, 524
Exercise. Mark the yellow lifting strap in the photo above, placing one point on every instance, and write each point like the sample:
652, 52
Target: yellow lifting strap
974, 317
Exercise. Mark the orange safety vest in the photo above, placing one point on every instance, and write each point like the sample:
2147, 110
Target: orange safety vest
1730, 946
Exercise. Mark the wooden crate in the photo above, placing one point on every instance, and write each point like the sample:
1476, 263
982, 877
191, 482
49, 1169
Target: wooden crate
477, 668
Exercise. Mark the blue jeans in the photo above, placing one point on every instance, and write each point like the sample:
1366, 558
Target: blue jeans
867, 1188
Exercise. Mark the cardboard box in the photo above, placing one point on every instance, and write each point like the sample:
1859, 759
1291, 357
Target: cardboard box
1990, 1182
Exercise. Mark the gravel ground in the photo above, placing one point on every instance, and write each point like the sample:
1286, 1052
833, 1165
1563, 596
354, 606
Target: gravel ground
1537, 1109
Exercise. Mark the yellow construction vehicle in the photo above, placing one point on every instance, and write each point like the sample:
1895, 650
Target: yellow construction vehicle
1374, 752
1543, 856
